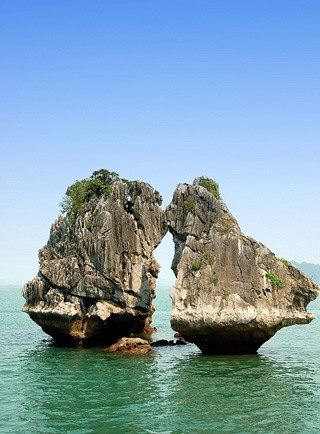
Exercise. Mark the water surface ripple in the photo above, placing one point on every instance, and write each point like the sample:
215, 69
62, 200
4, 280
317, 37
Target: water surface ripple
46, 389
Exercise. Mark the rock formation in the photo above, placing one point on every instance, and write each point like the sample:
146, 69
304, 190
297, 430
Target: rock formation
231, 294
97, 273
130, 346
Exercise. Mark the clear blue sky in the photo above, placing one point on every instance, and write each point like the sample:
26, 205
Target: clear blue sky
162, 91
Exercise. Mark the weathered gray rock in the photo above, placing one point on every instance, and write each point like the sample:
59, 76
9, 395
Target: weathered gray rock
231, 294
97, 273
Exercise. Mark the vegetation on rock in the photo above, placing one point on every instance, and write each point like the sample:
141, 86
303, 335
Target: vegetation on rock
283, 260
224, 225
214, 279
211, 186
196, 264
189, 204
100, 183
275, 280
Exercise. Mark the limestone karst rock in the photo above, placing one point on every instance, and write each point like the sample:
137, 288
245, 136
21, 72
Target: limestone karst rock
231, 293
130, 346
97, 273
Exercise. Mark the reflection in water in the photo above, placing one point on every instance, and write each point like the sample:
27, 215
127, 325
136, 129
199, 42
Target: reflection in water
83, 390
175, 390
253, 393
47, 389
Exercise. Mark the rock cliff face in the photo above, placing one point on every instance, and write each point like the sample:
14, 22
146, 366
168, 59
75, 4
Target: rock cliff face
231, 294
97, 273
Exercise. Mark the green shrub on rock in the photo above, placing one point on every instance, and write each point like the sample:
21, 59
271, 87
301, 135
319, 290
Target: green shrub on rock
196, 264
211, 185
275, 280
189, 204
100, 183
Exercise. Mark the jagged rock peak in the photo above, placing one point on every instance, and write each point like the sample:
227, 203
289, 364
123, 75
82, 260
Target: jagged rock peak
97, 274
231, 293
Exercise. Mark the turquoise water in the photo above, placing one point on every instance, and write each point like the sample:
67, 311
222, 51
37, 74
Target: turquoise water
44, 389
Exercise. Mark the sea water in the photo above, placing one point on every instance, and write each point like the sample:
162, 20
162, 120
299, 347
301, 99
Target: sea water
47, 389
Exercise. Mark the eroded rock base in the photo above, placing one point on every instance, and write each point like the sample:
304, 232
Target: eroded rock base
228, 342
